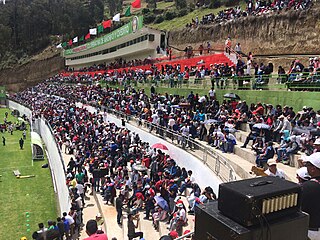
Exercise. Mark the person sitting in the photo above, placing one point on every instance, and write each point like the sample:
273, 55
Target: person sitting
179, 220
273, 170
158, 215
252, 136
291, 148
267, 154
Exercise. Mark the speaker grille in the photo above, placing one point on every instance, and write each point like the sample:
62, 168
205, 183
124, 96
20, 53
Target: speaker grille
278, 203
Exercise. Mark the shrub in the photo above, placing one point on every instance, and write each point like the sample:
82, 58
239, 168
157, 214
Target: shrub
169, 15
215, 4
149, 18
192, 7
159, 19
180, 4
231, 3
183, 12
145, 11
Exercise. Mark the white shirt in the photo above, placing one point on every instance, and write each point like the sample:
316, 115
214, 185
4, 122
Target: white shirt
69, 219
80, 188
171, 122
202, 99
279, 173
212, 93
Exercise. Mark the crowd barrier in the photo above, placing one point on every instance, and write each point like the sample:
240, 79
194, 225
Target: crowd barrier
54, 156
299, 82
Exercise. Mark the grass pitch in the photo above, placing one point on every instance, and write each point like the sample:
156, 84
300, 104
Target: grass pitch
19, 196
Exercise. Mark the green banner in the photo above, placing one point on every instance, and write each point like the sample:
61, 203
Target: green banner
2, 92
135, 24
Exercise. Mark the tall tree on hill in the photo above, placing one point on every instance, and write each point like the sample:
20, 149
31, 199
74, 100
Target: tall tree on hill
114, 6
26, 25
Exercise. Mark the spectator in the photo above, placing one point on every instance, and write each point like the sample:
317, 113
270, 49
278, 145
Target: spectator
92, 229
131, 227
311, 195
273, 170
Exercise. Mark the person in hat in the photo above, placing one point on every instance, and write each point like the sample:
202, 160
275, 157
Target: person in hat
179, 219
273, 170
92, 231
173, 234
311, 195
303, 175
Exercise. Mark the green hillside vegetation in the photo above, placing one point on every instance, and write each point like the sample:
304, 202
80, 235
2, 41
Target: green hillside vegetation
28, 27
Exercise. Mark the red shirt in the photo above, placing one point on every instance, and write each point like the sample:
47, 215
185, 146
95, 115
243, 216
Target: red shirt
97, 237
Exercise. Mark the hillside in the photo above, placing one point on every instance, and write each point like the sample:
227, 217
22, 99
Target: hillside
292, 32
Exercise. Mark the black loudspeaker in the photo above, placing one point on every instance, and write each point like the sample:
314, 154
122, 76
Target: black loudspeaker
247, 201
211, 224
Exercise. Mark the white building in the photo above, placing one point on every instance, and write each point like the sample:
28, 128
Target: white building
131, 41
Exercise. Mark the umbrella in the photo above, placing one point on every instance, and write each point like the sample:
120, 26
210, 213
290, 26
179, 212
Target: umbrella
140, 168
159, 146
210, 121
231, 95
261, 126
148, 72
161, 202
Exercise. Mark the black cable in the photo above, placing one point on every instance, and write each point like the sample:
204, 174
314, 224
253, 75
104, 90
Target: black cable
268, 227
261, 228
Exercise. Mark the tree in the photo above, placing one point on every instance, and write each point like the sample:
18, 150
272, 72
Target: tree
181, 4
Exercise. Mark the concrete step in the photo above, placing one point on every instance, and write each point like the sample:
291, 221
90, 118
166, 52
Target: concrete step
241, 136
245, 153
110, 216
245, 127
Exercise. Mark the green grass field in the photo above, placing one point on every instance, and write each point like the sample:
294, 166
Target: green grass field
18, 196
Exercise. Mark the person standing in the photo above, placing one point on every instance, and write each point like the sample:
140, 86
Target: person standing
119, 204
21, 142
3, 140
132, 227
311, 195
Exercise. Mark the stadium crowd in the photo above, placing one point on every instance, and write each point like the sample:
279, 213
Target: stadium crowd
109, 152
253, 8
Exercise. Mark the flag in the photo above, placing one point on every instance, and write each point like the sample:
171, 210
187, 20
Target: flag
116, 17
81, 39
87, 36
64, 44
93, 31
70, 42
128, 12
136, 4
106, 24
75, 40
100, 29
59, 46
